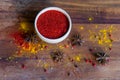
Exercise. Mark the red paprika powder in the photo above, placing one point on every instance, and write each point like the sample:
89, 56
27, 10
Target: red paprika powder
52, 24
18, 38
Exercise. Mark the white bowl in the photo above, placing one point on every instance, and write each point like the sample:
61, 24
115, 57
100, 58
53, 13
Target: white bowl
57, 40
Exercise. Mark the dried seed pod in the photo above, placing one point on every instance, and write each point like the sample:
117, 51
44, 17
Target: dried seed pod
30, 37
101, 57
56, 55
76, 39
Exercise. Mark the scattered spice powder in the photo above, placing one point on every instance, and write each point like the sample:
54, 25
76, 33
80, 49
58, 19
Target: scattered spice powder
18, 38
52, 24
102, 37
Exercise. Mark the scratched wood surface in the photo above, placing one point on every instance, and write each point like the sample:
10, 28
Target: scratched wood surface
103, 12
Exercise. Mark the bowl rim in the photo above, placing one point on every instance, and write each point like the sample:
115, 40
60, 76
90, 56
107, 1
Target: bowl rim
57, 40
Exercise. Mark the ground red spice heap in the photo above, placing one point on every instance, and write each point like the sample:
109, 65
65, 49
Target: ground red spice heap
52, 24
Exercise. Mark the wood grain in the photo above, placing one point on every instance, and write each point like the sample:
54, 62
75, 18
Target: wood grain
104, 14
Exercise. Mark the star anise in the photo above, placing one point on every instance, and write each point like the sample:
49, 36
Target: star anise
101, 57
56, 55
76, 39
30, 37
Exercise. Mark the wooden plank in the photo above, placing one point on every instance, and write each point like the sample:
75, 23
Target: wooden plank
104, 13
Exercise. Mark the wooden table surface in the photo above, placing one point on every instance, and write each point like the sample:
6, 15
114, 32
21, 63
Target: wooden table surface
104, 13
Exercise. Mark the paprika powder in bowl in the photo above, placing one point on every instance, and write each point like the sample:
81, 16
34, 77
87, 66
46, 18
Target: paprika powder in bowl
53, 24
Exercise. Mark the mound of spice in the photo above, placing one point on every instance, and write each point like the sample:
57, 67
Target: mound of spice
52, 24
